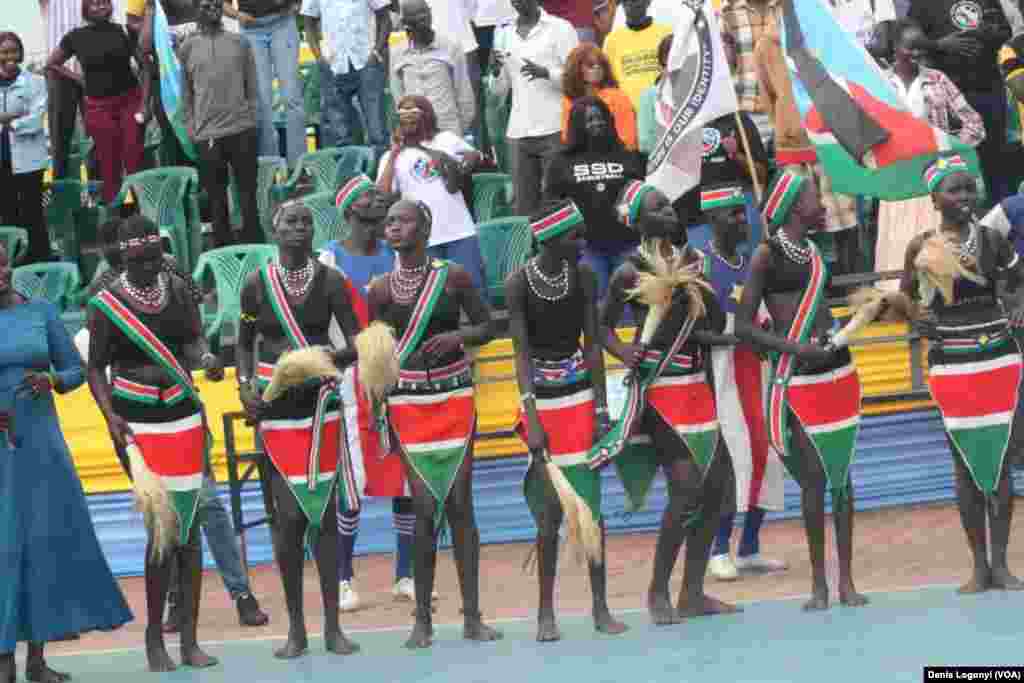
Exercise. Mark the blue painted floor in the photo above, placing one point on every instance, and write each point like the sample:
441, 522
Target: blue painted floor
889, 641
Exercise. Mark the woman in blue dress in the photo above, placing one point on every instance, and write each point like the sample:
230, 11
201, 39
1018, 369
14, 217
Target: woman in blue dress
54, 579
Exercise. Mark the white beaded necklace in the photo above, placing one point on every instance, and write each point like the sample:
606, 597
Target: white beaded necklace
794, 252
296, 282
153, 296
405, 283
738, 266
559, 283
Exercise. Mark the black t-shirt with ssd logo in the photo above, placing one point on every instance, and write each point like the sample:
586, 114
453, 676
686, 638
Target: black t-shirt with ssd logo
594, 180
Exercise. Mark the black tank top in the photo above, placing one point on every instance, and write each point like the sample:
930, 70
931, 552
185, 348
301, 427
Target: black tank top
555, 326
313, 314
445, 318
786, 274
171, 326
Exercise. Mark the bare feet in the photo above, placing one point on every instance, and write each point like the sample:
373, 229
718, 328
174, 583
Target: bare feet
296, 646
660, 608
196, 658
339, 644
979, 582
707, 606
849, 596
547, 627
604, 622
37, 672
1002, 579
475, 629
818, 601
422, 635
156, 651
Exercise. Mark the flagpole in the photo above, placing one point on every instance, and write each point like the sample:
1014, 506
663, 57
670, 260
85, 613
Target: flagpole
750, 157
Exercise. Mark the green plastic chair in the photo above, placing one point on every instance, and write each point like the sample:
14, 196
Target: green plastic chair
229, 267
57, 282
505, 245
355, 159
328, 223
15, 240
321, 167
492, 196
168, 196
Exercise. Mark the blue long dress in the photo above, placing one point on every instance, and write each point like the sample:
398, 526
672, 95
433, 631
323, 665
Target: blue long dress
54, 579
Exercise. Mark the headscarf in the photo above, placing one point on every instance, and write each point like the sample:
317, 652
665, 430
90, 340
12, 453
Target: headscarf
554, 220
351, 191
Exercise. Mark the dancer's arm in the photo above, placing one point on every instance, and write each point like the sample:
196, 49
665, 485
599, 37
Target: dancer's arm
100, 337
515, 296
593, 350
713, 333
623, 279
481, 327
197, 351
251, 300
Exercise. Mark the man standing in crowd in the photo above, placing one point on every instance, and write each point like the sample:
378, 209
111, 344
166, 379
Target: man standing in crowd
60, 17
356, 33
579, 13
965, 37
431, 65
220, 99
633, 50
743, 23
270, 27
529, 56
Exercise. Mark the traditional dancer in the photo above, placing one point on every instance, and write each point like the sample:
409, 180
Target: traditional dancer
290, 302
54, 580
562, 386
670, 403
139, 326
814, 402
966, 276
431, 411
741, 379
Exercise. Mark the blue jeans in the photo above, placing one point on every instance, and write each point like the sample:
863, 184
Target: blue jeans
604, 262
220, 537
343, 119
275, 45
465, 252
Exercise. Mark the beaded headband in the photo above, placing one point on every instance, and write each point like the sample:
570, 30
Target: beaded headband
351, 191
783, 194
630, 201
722, 197
942, 168
552, 224
281, 209
139, 241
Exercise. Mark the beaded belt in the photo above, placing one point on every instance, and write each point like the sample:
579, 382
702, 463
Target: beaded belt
681, 362
449, 376
560, 372
148, 394
973, 338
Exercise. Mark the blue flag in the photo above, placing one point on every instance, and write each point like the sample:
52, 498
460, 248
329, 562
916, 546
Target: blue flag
170, 78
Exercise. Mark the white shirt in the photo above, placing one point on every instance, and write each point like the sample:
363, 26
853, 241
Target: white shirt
451, 20
913, 96
348, 28
536, 104
662, 11
493, 12
857, 17
417, 177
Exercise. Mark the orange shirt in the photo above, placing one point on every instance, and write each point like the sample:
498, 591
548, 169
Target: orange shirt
622, 109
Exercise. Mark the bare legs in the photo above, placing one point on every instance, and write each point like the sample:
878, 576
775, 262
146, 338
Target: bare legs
36, 669
466, 542
548, 523
289, 533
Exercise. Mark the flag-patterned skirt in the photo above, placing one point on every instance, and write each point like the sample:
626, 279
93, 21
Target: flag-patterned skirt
377, 473
433, 416
565, 408
974, 377
169, 432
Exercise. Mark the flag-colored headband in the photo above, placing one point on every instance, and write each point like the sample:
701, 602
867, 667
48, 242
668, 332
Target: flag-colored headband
139, 241
551, 224
943, 168
722, 197
781, 197
351, 191
630, 201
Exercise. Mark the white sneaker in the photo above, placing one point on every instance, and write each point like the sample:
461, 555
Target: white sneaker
756, 563
722, 568
404, 589
348, 599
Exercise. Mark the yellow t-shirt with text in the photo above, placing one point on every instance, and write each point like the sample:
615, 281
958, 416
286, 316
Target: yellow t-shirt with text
634, 57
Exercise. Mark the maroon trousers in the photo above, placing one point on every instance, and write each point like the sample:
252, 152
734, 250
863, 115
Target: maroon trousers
110, 121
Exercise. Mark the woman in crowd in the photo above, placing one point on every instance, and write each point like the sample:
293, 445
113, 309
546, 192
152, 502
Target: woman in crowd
588, 73
23, 146
591, 171
974, 361
431, 411
139, 326
429, 165
290, 303
54, 579
552, 302
932, 96
113, 99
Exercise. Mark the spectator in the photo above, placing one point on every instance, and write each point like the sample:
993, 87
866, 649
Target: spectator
633, 50
22, 146
931, 95
1007, 218
588, 72
274, 38
579, 13
861, 17
489, 14
592, 171
662, 11
452, 19
1011, 64
965, 37
646, 127
356, 34
793, 149
430, 65
64, 94
429, 165
529, 59
743, 24
220, 101
113, 99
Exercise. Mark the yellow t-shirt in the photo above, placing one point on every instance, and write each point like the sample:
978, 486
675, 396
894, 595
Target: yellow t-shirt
136, 7
1011, 63
634, 57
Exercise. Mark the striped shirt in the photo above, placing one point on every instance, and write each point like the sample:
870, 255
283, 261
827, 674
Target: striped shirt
744, 22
